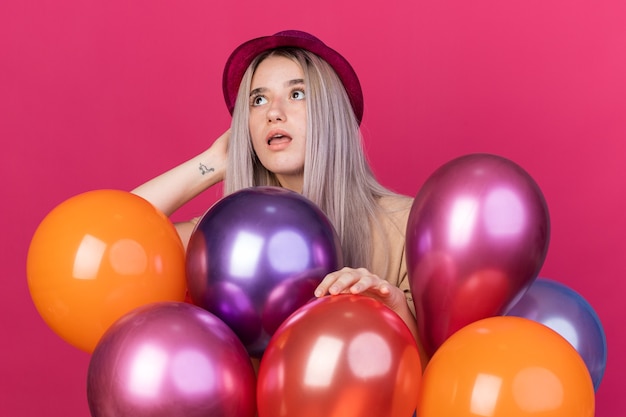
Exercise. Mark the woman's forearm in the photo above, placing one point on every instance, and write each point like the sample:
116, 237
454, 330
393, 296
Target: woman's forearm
172, 189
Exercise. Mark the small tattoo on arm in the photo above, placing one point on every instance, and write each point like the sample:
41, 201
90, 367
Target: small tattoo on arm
204, 169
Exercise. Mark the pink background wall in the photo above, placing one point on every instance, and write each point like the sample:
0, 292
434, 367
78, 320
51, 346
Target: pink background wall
106, 94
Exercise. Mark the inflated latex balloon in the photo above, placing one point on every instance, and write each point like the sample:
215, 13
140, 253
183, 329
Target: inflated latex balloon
562, 309
477, 236
256, 256
98, 255
170, 359
506, 367
340, 356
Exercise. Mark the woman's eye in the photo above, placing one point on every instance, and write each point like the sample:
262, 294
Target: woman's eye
258, 100
298, 95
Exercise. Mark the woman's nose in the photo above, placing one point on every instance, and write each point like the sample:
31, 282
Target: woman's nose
275, 112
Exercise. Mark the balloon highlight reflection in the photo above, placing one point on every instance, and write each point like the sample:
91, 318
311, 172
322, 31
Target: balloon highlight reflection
98, 255
506, 367
477, 236
344, 355
170, 359
256, 256
562, 309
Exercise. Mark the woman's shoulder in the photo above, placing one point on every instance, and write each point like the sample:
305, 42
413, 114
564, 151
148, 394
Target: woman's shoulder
395, 210
396, 203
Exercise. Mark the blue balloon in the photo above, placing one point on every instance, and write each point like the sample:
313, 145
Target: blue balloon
256, 256
562, 309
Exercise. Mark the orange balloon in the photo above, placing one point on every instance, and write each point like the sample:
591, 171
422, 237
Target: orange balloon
506, 367
98, 255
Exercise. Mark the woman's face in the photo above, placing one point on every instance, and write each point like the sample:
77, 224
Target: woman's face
278, 119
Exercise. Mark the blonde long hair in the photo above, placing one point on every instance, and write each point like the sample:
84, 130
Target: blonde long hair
337, 176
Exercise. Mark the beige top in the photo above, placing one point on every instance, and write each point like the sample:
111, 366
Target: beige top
389, 260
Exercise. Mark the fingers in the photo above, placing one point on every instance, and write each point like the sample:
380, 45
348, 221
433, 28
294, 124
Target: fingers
352, 281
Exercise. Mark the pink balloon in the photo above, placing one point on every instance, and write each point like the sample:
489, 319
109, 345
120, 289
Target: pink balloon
170, 359
477, 237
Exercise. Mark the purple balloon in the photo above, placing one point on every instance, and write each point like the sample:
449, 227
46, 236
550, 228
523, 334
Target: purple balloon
562, 309
256, 256
170, 359
477, 236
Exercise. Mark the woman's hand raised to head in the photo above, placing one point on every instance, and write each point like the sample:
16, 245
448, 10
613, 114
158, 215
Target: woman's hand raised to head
170, 190
219, 154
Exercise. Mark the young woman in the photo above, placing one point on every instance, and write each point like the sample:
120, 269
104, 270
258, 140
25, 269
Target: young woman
297, 105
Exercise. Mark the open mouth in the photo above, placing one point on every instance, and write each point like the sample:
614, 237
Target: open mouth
278, 138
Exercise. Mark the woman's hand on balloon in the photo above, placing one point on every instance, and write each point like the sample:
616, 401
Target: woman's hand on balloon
361, 281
